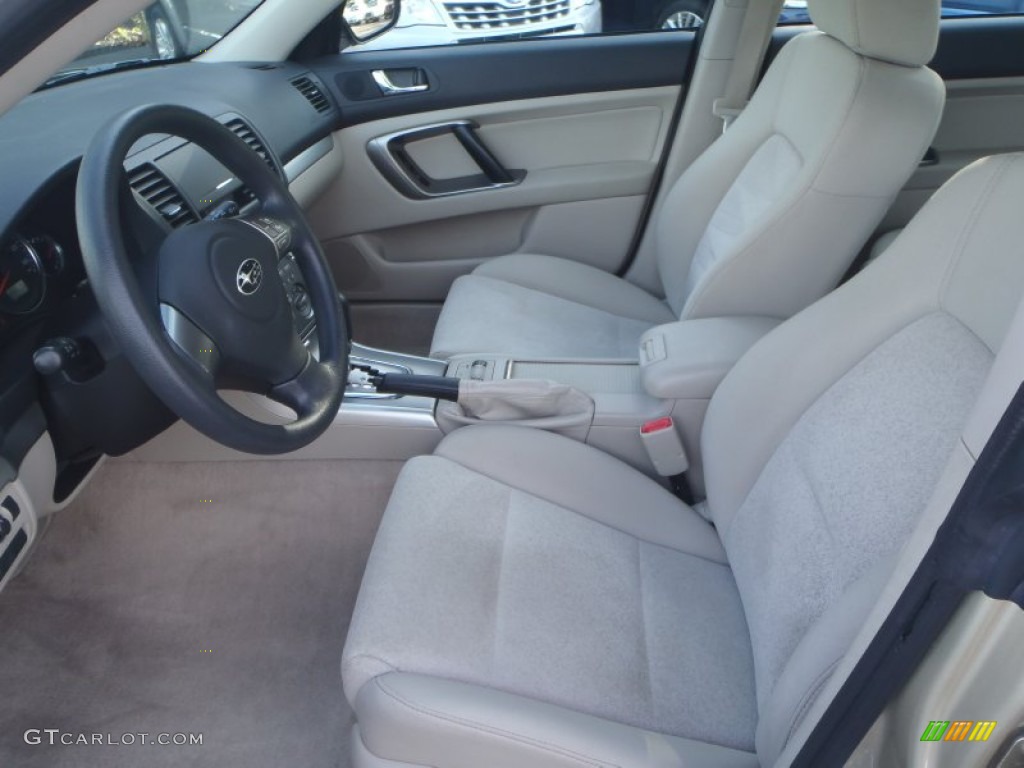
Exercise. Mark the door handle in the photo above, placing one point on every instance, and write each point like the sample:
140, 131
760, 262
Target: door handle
389, 88
393, 160
495, 172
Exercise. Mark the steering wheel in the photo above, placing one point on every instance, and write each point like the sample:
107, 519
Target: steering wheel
219, 316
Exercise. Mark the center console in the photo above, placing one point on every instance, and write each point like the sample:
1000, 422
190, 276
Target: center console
621, 406
678, 368
648, 412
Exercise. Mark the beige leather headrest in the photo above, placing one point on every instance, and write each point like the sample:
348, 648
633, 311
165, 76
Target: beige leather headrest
899, 31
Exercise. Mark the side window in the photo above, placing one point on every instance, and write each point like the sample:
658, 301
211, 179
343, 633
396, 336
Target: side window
449, 22
164, 30
958, 8
795, 11
444, 22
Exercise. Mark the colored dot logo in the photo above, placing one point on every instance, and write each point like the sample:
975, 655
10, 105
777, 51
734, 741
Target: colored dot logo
959, 730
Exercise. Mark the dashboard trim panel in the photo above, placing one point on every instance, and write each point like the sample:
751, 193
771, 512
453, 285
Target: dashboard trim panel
309, 157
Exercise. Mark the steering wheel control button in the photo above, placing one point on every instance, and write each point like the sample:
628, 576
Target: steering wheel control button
298, 294
249, 277
301, 302
279, 233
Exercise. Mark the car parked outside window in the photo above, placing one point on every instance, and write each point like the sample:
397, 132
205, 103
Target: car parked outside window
440, 22
166, 30
169, 30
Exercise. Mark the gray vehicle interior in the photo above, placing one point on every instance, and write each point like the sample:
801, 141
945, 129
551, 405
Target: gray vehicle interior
650, 423
777, 196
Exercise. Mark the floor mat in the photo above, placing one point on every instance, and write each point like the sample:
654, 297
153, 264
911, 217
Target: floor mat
196, 599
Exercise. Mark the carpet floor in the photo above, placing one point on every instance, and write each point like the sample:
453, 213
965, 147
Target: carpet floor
206, 599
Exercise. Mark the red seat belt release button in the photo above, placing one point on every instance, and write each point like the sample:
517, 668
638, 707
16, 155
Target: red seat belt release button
664, 446
657, 425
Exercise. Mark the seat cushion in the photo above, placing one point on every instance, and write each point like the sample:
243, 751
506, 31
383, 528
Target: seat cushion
525, 562
529, 305
416, 720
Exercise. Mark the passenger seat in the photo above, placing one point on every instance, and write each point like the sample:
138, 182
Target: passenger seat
531, 601
765, 222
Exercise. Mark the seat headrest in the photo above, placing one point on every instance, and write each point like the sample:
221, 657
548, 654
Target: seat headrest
899, 31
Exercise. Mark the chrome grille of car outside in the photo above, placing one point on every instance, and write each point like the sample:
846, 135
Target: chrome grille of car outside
503, 15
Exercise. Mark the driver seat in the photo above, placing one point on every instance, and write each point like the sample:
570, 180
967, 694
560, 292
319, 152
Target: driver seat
764, 222
531, 601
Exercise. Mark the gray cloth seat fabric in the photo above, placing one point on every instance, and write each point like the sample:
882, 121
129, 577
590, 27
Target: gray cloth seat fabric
765, 222
532, 601
554, 595
557, 308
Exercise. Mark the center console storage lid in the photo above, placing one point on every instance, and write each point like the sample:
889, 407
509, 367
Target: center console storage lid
688, 359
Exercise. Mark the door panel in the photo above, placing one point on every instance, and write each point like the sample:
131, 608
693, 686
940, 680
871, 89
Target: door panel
558, 140
588, 159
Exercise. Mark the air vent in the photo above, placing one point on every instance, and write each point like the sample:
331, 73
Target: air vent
160, 193
313, 94
242, 130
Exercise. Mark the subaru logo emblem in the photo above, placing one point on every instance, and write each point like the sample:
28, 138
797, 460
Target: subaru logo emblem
249, 277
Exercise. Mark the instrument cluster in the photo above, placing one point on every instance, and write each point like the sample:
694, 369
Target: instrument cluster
26, 266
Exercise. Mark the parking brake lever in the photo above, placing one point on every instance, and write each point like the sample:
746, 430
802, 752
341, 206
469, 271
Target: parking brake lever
439, 387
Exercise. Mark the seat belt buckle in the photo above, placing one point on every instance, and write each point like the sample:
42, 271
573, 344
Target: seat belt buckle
664, 447
726, 113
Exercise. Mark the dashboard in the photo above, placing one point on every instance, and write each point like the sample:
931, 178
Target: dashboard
281, 110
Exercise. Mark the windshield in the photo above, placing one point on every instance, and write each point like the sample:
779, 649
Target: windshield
167, 30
